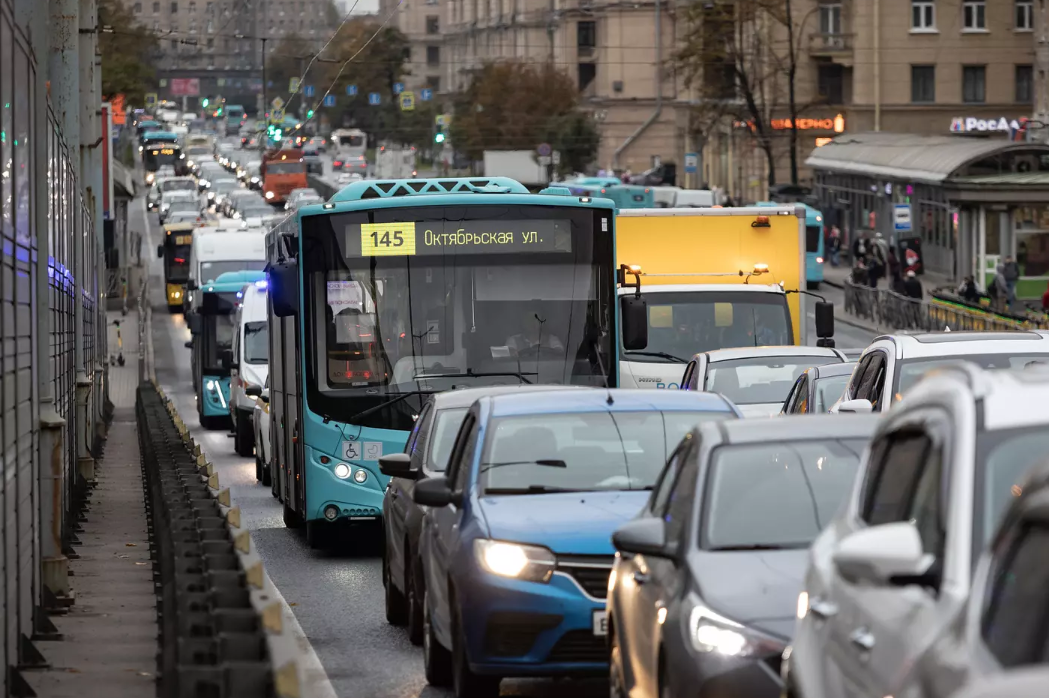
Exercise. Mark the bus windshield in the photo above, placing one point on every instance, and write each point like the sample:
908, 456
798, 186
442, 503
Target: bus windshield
686, 323
176, 263
154, 156
279, 168
350, 140
460, 296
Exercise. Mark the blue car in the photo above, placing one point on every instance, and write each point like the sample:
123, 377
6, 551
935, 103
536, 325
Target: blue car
516, 540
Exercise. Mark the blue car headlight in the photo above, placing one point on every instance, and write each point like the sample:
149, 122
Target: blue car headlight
528, 562
714, 633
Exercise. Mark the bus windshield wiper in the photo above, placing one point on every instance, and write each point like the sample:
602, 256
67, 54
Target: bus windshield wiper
531, 489
471, 374
548, 462
400, 396
660, 355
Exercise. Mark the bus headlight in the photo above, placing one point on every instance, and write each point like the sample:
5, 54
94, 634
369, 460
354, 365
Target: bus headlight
269, 195
210, 385
819, 260
360, 476
342, 471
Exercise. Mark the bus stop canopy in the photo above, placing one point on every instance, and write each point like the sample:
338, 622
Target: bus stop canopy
912, 157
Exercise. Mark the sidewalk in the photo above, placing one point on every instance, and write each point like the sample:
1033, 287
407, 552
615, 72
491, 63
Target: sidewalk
109, 637
835, 276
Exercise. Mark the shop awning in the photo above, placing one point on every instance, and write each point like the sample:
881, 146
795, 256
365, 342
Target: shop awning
912, 157
123, 182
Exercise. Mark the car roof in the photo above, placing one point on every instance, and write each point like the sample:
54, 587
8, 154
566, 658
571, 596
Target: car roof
596, 400
751, 352
468, 396
831, 370
790, 428
934, 344
1011, 398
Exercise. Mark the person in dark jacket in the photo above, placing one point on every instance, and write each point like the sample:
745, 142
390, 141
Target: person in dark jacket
1012, 275
968, 290
912, 288
895, 279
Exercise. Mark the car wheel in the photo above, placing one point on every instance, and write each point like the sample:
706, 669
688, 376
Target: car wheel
436, 658
396, 605
664, 681
244, 439
465, 682
615, 669
414, 583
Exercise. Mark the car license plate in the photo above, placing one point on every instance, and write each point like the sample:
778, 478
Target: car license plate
600, 623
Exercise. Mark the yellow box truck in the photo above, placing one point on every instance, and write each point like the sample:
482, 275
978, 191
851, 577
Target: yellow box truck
711, 278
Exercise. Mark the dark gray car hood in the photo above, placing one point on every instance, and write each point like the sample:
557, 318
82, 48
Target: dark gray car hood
758, 588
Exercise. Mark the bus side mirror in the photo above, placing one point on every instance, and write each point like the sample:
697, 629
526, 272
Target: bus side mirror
160, 252
191, 285
194, 320
284, 287
634, 316
825, 323
227, 359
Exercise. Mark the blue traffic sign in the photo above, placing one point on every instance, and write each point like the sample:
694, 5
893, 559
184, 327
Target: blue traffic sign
329, 100
307, 90
351, 90
425, 94
398, 88
374, 98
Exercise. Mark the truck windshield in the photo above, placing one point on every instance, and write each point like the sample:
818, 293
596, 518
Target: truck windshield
278, 168
458, 296
681, 324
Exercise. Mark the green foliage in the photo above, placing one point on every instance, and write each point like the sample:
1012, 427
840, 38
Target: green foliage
127, 53
516, 106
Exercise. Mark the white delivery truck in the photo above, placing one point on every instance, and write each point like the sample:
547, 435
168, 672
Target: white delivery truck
216, 251
521, 165
395, 163
251, 349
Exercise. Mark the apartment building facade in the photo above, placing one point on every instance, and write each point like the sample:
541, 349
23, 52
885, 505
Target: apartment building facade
422, 23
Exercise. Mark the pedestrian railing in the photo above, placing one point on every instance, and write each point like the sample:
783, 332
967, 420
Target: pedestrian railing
223, 630
892, 311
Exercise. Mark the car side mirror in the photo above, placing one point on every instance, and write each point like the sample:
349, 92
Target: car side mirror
857, 406
160, 252
824, 314
189, 344
398, 465
265, 396
644, 536
434, 492
191, 285
284, 287
634, 317
882, 555
253, 391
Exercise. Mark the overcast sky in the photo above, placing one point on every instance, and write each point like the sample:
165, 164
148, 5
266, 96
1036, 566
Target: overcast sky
363, 6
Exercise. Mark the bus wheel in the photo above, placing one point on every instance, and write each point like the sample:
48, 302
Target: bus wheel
291, 517
243, 441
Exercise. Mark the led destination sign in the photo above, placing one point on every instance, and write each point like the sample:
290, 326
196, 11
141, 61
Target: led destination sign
410, 238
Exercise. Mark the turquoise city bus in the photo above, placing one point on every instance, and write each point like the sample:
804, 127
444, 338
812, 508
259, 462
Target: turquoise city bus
814, 255
398, 289
623, 195
211, 326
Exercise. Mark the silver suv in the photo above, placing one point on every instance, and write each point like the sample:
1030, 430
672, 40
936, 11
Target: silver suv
894, 567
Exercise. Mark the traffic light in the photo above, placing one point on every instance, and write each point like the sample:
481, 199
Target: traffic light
219, 112
204, 102
277, 134
309, 114
439, 138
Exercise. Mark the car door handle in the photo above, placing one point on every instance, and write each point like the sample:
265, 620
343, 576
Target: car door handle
863, 639
640, 578
823, 609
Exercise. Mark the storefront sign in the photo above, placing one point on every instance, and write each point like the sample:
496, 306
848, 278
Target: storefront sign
972, 124
835, 124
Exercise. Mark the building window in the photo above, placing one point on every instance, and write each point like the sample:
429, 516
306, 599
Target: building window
1024, 15
830, 80
830, 18
433, 26
211, 43
586, 36
974, 15
974, 84
138, 8
156, 8
923, 84
433, 55
210, 8
1024, 84
434, 82
174, 8
192, 7
587, 73
923, 15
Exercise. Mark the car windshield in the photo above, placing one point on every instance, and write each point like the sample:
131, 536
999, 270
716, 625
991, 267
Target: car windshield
909, 372
762, 379
170, 185
828, 390
683, 324
224, 185
256, 211
209, 271
256, 342
182, 216
581, 452
183, 207
1003, 460
446, 426
776, 495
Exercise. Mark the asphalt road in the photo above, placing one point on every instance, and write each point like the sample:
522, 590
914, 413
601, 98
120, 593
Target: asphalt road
336, 595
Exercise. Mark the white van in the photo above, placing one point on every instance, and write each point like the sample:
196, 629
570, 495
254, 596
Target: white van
215, 251
251, 350
694, 198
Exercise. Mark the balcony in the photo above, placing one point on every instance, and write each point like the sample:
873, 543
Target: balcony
837, 47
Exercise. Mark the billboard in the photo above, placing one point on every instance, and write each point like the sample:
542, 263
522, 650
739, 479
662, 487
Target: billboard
185, 87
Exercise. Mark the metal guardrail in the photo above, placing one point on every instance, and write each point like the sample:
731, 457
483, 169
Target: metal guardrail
892, 311
222, 626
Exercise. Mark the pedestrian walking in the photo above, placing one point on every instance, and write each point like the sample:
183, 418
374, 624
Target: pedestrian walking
999, 289
968, 291
835, 246
860, 247
895, 279
912, 288
1012, 275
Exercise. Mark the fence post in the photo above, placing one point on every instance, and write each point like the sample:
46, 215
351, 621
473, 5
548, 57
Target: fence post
54, 564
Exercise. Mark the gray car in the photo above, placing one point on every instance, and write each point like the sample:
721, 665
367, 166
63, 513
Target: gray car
703, 596
817, 389
425, 455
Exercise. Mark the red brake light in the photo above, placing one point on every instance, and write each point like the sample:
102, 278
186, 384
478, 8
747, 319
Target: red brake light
179, 260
